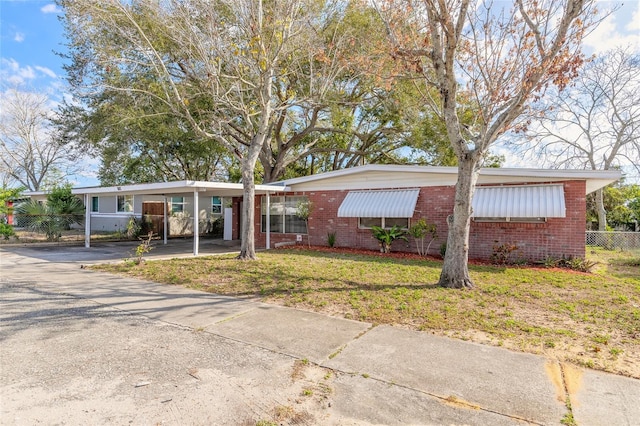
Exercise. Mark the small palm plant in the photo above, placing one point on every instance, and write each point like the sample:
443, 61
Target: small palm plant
387, 236
59, 213
50, 219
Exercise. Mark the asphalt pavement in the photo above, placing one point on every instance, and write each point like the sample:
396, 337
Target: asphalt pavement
390, 375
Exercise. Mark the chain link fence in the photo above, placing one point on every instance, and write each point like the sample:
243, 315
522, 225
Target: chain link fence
44, 227
611, 240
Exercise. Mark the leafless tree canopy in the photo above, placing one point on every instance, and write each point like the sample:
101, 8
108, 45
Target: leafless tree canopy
594, 123
29, 149
499, 57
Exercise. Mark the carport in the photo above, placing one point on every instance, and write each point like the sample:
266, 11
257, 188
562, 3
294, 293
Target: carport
124, 205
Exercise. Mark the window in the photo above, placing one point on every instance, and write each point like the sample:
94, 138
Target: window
177, 204
216, 205
385, 222
511, 219
95, 203
125, 204
283, 219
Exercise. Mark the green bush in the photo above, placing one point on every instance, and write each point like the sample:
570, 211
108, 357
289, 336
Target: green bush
331, 239
387, 236
6, 231
569, 262
419, 232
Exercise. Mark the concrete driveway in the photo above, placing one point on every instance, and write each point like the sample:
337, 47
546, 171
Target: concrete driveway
101, 252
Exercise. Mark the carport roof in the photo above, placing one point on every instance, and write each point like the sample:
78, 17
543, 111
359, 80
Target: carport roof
178, 187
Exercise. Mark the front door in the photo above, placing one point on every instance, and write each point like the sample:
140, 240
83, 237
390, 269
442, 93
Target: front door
153, 211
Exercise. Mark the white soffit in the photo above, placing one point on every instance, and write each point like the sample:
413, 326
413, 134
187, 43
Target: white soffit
519, 201
391, 203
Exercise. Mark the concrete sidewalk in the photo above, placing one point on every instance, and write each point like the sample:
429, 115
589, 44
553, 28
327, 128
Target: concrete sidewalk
390, 375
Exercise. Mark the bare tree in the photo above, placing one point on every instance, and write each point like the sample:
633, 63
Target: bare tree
498, 58
216, 65
595, 122
29, 150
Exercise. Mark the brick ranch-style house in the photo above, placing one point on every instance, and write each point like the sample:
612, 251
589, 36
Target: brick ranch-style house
541, 212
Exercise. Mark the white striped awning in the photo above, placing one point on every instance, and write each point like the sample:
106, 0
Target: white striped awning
519, 201
389, 203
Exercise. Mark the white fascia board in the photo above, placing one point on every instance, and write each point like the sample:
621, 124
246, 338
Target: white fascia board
595, 179
388, 168
184, 186
148, 188
33, 193
552, 173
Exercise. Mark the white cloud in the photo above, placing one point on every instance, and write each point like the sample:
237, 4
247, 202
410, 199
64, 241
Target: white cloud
634, 25
17, 75
612, 32
46, 71
50, 8
13, 73
19, 37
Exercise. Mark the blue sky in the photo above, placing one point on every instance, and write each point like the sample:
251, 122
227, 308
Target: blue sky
31, 33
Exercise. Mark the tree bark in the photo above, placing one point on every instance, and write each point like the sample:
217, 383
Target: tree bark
602, 213
455, 272
248, 165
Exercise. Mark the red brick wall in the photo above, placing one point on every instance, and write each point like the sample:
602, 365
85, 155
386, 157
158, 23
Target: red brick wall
535, 241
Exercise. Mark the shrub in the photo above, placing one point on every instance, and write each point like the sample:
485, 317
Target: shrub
303, 211
443, 249
569, 262
419, 231
6, 230
387, 236
331, 239
143, 248
139, 226
501, 254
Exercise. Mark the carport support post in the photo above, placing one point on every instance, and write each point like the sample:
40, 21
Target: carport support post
196, 222
268, 237
87, 220
164, 220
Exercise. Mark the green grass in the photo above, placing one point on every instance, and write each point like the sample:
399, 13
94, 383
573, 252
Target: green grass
575, 316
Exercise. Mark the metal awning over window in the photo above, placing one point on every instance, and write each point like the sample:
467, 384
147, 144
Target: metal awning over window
389, 203
519, 201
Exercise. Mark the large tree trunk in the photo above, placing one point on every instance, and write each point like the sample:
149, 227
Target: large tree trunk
455, 273
602, 213
248, 165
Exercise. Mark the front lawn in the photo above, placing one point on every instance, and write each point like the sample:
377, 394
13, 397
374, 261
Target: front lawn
592, 319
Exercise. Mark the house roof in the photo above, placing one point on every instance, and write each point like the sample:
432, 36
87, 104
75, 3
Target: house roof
371, 176
379, 176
